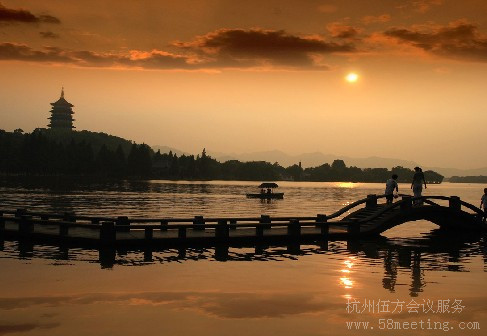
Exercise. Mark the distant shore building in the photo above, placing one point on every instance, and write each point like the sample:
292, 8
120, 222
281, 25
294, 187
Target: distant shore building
61, 114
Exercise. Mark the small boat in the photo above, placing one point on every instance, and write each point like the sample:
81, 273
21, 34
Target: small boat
269, 194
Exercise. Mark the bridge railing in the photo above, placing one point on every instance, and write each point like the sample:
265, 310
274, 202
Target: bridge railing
123, 222
407, 201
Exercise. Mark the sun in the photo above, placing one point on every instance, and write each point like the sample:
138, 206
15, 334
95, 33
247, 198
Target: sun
352, 77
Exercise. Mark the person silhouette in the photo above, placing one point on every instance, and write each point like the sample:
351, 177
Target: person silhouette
483, 203
391, 184
417, 184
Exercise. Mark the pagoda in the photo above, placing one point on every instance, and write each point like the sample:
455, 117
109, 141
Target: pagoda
61, 114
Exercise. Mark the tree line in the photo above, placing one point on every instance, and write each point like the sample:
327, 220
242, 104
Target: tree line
48, 152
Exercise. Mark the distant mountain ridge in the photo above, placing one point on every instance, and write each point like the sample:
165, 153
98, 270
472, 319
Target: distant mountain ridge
315, 159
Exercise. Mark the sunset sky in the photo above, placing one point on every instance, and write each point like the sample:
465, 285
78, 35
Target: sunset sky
244, 76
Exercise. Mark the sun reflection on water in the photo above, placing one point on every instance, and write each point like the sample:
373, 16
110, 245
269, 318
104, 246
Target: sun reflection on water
347, 185
346, 280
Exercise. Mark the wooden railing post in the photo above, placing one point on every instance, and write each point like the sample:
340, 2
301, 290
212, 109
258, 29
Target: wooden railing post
63, 229
69, 217
371, 201
108, 233
2, 227
199, 223
20, 212
26, 227
148, 234
182, 232
324, 230
222, 231
324, 226
353, 228
259, 231
294, 229
164, 225
123, 223
454, 203
407, 203
265, 220
148, 254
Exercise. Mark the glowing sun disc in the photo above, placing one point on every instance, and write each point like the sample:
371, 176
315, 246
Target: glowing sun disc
351, 77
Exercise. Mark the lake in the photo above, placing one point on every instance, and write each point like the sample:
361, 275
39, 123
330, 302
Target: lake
414, 279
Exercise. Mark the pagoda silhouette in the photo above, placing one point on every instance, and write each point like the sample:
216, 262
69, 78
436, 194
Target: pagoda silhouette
61, 114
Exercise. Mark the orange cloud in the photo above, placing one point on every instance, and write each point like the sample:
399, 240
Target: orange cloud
423, 6
376, 19
339, 30
458, 40
327, 8
255, 47
221, 49
8, 15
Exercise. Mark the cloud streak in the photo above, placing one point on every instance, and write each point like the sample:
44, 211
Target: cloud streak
84, 58
458, 40
6, 329
9, 16
221, 49
48, 35
258, 47
223, 305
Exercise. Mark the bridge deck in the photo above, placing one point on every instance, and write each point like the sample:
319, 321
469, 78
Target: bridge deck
371, 218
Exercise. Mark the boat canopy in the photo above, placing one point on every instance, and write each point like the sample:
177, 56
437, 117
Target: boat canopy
268, 185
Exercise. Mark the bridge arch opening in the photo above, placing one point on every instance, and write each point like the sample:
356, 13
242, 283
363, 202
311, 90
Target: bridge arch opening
410, 229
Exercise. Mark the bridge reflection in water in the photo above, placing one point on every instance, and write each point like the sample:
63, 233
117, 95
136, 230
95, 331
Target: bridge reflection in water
439, 250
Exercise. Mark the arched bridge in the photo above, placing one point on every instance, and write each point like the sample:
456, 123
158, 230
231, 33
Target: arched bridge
364, 217
375, 218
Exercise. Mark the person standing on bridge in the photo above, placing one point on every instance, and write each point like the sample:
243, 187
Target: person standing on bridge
483, 202
391, 184
417, 184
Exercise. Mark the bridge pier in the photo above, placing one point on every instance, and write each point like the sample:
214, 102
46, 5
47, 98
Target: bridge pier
148, 254
108, 233
26, 227
2, 227
353, 245
294, 229
222, 231
106, 257
221, 252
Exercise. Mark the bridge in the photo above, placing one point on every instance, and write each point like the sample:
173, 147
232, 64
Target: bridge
366, 217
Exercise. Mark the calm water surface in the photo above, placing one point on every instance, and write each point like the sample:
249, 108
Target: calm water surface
264, 290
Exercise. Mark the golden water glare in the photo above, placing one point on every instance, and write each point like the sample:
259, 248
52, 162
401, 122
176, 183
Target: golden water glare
346, 281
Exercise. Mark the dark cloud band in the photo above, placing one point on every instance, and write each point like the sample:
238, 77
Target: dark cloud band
460, 40
8, 15
222, 49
